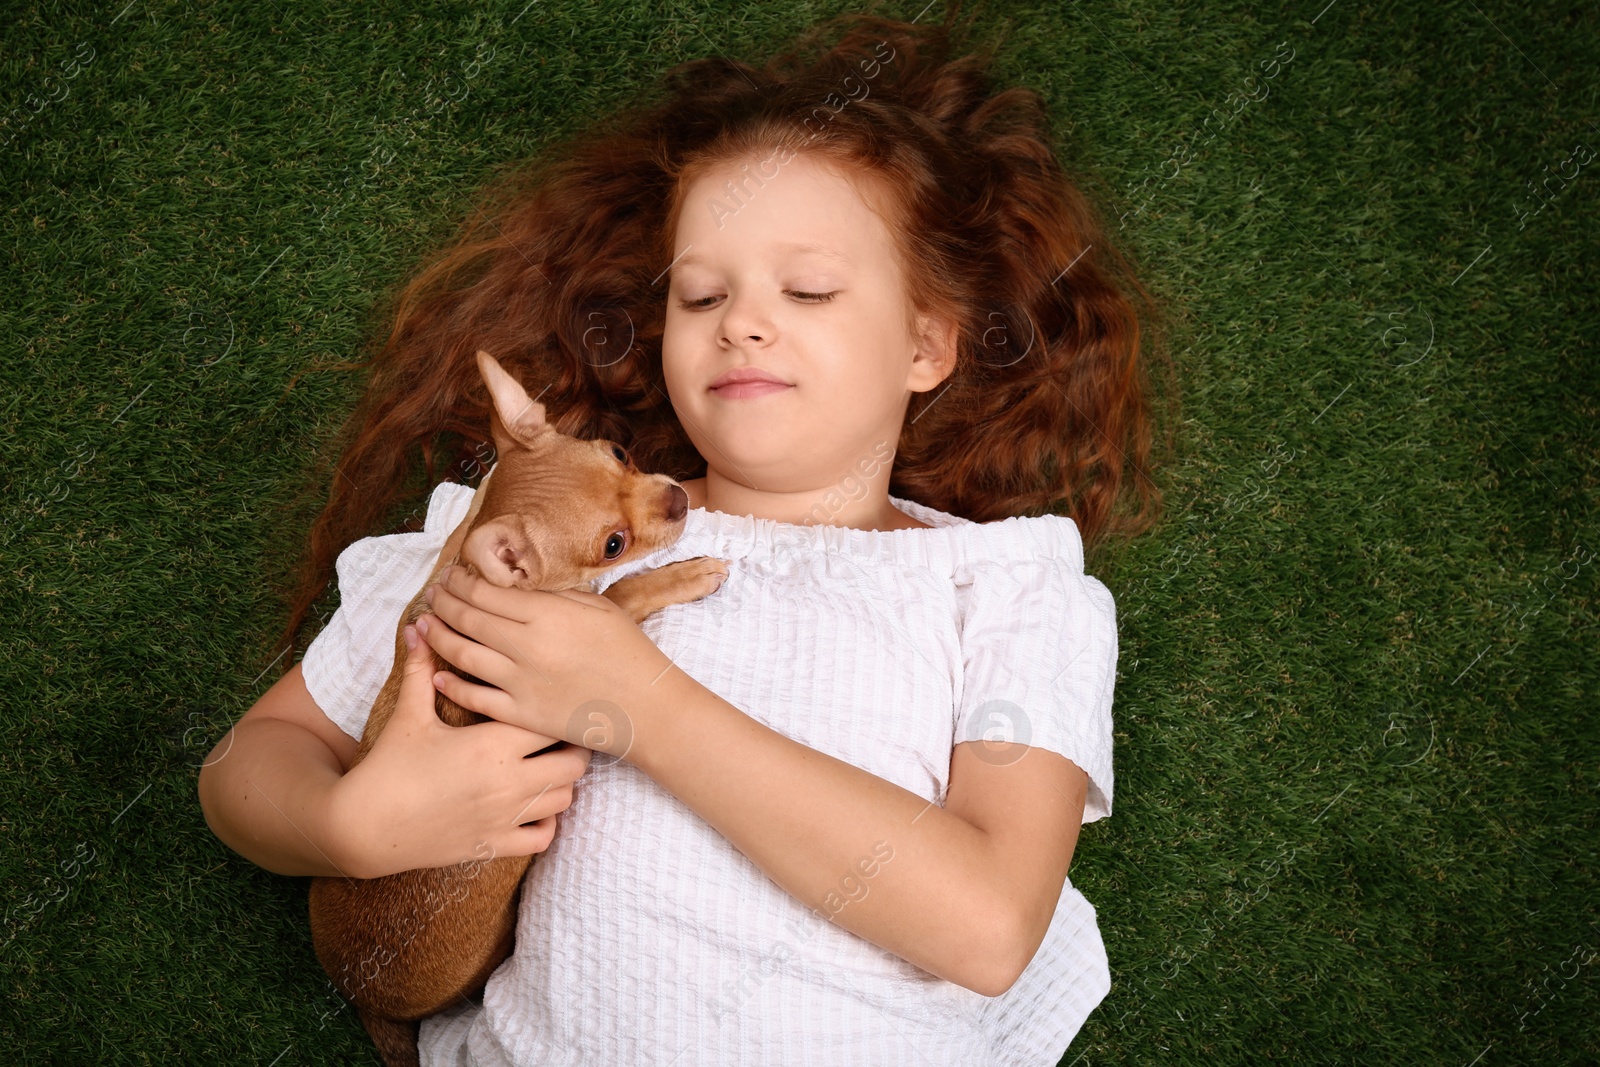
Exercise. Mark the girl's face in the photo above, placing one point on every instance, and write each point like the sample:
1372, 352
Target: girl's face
832, 323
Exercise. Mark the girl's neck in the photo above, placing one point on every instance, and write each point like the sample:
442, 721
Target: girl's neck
822, 507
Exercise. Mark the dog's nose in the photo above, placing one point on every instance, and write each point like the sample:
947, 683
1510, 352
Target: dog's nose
677, 502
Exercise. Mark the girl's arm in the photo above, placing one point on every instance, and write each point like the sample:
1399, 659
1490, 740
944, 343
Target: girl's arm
969, 889
264, 787
275, 788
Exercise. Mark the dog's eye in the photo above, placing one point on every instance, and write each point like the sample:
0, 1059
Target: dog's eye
616, 543
621, 454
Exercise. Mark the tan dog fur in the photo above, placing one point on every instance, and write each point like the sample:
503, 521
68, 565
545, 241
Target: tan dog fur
408, 945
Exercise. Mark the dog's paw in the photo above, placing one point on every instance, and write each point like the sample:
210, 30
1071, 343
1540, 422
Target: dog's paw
702, 575
643, 594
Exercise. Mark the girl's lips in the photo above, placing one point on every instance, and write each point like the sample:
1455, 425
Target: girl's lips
739, 390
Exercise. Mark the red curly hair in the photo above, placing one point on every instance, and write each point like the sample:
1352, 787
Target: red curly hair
560, 273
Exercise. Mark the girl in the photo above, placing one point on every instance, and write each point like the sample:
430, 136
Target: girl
826, 814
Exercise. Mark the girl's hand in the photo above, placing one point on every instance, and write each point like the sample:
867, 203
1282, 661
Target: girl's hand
570, 664
429, 795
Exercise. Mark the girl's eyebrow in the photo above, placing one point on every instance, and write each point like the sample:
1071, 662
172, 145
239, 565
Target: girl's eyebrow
820, 250
788, 246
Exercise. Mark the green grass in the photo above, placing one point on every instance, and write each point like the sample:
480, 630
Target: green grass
1356, 767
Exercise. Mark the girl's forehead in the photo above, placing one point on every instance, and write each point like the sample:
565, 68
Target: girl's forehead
811, 212
799, 250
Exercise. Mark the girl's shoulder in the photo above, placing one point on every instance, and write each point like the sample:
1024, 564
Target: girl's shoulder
447, 505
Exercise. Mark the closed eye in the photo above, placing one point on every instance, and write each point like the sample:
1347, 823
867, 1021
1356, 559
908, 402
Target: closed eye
820, 298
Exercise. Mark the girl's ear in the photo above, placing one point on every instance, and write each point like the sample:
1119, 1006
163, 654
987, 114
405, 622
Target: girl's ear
935, 355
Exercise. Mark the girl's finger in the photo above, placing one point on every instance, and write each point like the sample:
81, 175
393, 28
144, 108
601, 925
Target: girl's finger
482, 699
527, 840
517, 605
498, 737
470, 620
417, 697
458, 650
551, 800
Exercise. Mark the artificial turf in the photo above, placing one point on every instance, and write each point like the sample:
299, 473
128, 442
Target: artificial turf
1355, 803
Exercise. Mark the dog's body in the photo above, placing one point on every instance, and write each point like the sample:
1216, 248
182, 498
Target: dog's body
408, 945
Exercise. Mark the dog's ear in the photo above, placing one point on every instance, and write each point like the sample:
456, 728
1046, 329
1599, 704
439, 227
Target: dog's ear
512, 414
505, 555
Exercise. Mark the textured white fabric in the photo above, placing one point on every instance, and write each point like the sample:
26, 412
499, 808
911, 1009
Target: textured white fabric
644, 937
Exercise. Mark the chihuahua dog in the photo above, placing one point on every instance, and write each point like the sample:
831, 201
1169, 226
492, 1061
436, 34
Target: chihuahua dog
555, 513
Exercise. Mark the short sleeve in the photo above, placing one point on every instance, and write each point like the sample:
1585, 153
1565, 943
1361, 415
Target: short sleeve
1039, 650
346, 664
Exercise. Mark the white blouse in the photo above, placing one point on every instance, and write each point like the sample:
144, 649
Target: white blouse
644, 936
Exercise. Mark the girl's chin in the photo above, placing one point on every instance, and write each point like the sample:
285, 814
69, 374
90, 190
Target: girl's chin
744, 448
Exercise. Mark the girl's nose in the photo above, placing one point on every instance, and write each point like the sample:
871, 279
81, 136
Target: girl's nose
744, 321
